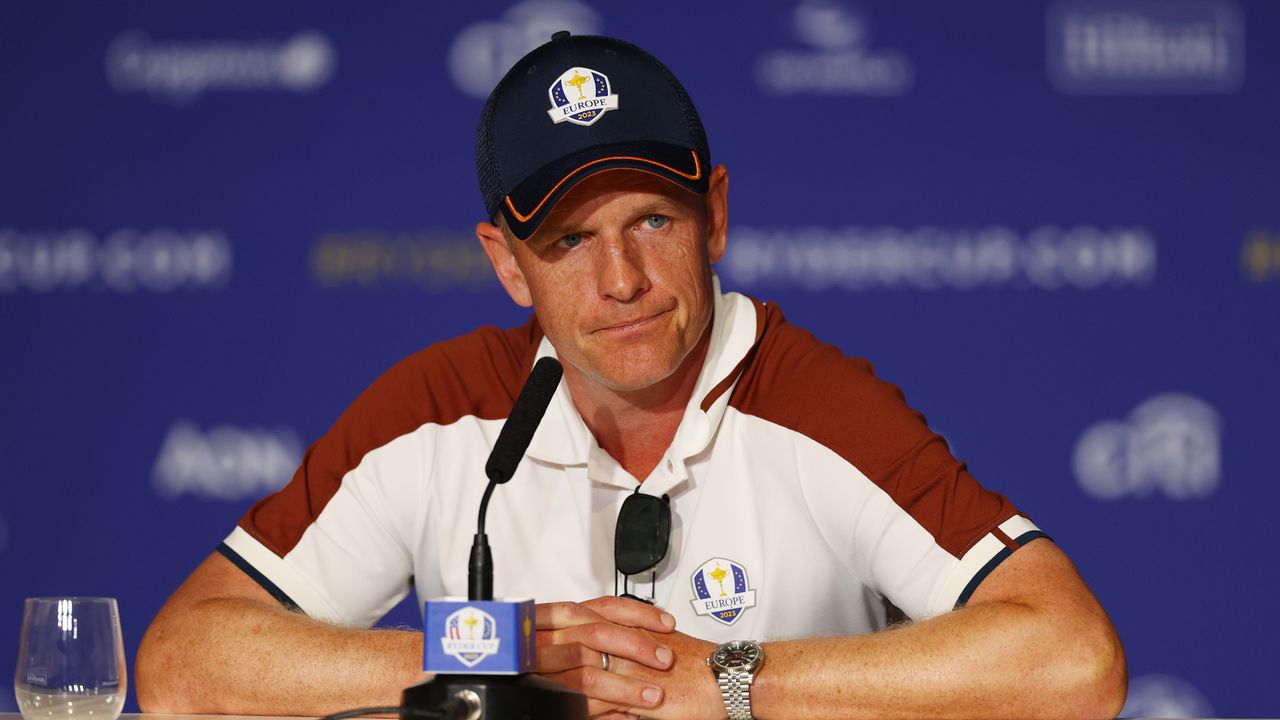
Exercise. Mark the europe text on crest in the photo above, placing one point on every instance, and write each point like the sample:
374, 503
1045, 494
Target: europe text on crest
721, 591
470, 634
580, 96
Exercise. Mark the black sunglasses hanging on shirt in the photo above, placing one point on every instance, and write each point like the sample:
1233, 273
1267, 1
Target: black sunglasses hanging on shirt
641, 537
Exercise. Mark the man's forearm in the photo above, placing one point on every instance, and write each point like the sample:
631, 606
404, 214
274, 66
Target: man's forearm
1033, 642
995, 660
243, 656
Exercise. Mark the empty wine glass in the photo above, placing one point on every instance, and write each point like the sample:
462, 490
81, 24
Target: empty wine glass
70, 660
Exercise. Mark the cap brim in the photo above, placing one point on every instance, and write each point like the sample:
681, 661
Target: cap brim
528, 204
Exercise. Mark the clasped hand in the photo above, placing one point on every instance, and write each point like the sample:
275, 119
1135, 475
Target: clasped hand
652, 669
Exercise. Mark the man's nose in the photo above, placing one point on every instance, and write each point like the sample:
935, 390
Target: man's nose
620, 270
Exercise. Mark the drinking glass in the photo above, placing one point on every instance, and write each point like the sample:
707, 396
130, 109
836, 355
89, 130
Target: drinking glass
70, 660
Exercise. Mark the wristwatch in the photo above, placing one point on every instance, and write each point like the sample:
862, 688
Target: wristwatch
735, 665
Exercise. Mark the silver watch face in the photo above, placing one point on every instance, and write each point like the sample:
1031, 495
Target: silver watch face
737, 655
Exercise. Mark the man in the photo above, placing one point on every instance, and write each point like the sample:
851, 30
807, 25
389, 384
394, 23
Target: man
802, 490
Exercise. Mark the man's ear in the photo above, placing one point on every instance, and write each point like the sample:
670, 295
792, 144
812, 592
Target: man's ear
496, 246
717, 199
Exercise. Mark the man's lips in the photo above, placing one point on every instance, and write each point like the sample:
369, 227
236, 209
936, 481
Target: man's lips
631, 324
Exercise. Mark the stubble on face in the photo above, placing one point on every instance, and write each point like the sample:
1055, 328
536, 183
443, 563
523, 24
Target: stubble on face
625, 303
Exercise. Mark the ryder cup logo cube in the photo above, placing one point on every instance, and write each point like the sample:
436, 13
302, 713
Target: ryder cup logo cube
492, 637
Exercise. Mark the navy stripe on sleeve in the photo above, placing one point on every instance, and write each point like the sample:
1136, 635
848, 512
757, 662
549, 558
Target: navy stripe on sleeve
994, 562
258, 577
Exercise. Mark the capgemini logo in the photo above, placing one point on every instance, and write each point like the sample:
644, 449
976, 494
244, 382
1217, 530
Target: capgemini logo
224, 463
483, 52
180, 71
1165, 696
1169, 443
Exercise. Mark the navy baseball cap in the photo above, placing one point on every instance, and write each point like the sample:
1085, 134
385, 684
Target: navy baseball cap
576, 106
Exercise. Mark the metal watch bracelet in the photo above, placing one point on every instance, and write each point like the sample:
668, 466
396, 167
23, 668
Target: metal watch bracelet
735, 689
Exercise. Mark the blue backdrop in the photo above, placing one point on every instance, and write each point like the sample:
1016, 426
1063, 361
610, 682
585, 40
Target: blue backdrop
1056, 226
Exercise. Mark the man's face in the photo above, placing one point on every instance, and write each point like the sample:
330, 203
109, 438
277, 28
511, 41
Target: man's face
619, 274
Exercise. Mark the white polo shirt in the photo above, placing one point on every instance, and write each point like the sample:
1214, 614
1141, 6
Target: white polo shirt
802, 491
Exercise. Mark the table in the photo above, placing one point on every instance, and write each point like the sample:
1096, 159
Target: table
166, 716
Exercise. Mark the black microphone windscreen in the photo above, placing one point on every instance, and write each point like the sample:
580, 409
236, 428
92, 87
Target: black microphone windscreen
527, 412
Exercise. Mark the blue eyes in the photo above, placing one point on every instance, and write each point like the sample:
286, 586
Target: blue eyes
651, 222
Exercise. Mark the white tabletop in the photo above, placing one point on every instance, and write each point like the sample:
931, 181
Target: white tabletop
167, 716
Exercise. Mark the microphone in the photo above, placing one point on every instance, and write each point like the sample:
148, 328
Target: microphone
512, 442
525, 416
481, 649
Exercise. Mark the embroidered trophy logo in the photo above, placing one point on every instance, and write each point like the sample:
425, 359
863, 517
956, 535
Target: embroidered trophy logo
721, 590
580, 96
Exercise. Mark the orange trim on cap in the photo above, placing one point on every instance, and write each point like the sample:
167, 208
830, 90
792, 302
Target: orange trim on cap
697, 175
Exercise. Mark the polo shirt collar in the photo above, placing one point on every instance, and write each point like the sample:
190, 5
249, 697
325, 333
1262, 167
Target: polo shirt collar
564, 439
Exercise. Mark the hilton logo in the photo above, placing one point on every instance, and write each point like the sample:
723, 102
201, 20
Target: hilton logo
1136, 47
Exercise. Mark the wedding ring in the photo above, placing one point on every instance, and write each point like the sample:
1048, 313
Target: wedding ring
605, 661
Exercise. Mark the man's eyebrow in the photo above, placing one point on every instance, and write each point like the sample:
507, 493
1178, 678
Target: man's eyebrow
555, 228
660, 206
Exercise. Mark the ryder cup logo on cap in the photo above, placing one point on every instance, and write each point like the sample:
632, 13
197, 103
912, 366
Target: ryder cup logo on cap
581, 96
721, 591
525, 164
470, 636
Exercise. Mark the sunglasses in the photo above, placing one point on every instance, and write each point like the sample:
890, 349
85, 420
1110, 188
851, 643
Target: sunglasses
640, 539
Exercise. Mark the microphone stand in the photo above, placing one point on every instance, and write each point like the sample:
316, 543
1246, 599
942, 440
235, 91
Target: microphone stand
500, 697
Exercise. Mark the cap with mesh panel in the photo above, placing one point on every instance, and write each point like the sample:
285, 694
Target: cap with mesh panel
576, 106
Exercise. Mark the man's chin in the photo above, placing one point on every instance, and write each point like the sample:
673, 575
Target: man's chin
635, 377
633, 383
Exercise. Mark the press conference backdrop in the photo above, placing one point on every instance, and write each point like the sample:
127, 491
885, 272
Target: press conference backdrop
1056, 226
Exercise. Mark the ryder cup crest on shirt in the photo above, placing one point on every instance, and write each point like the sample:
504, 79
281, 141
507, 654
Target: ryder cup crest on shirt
721, 590
580, 96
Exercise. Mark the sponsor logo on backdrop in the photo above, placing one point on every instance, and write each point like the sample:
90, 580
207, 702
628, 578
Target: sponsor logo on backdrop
225, 462
1260, 256
182, 70
940, 258
839, 59
434, 260
1165, 696
1140, 47
1170, 443
471, 635
483, 52
126, 260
